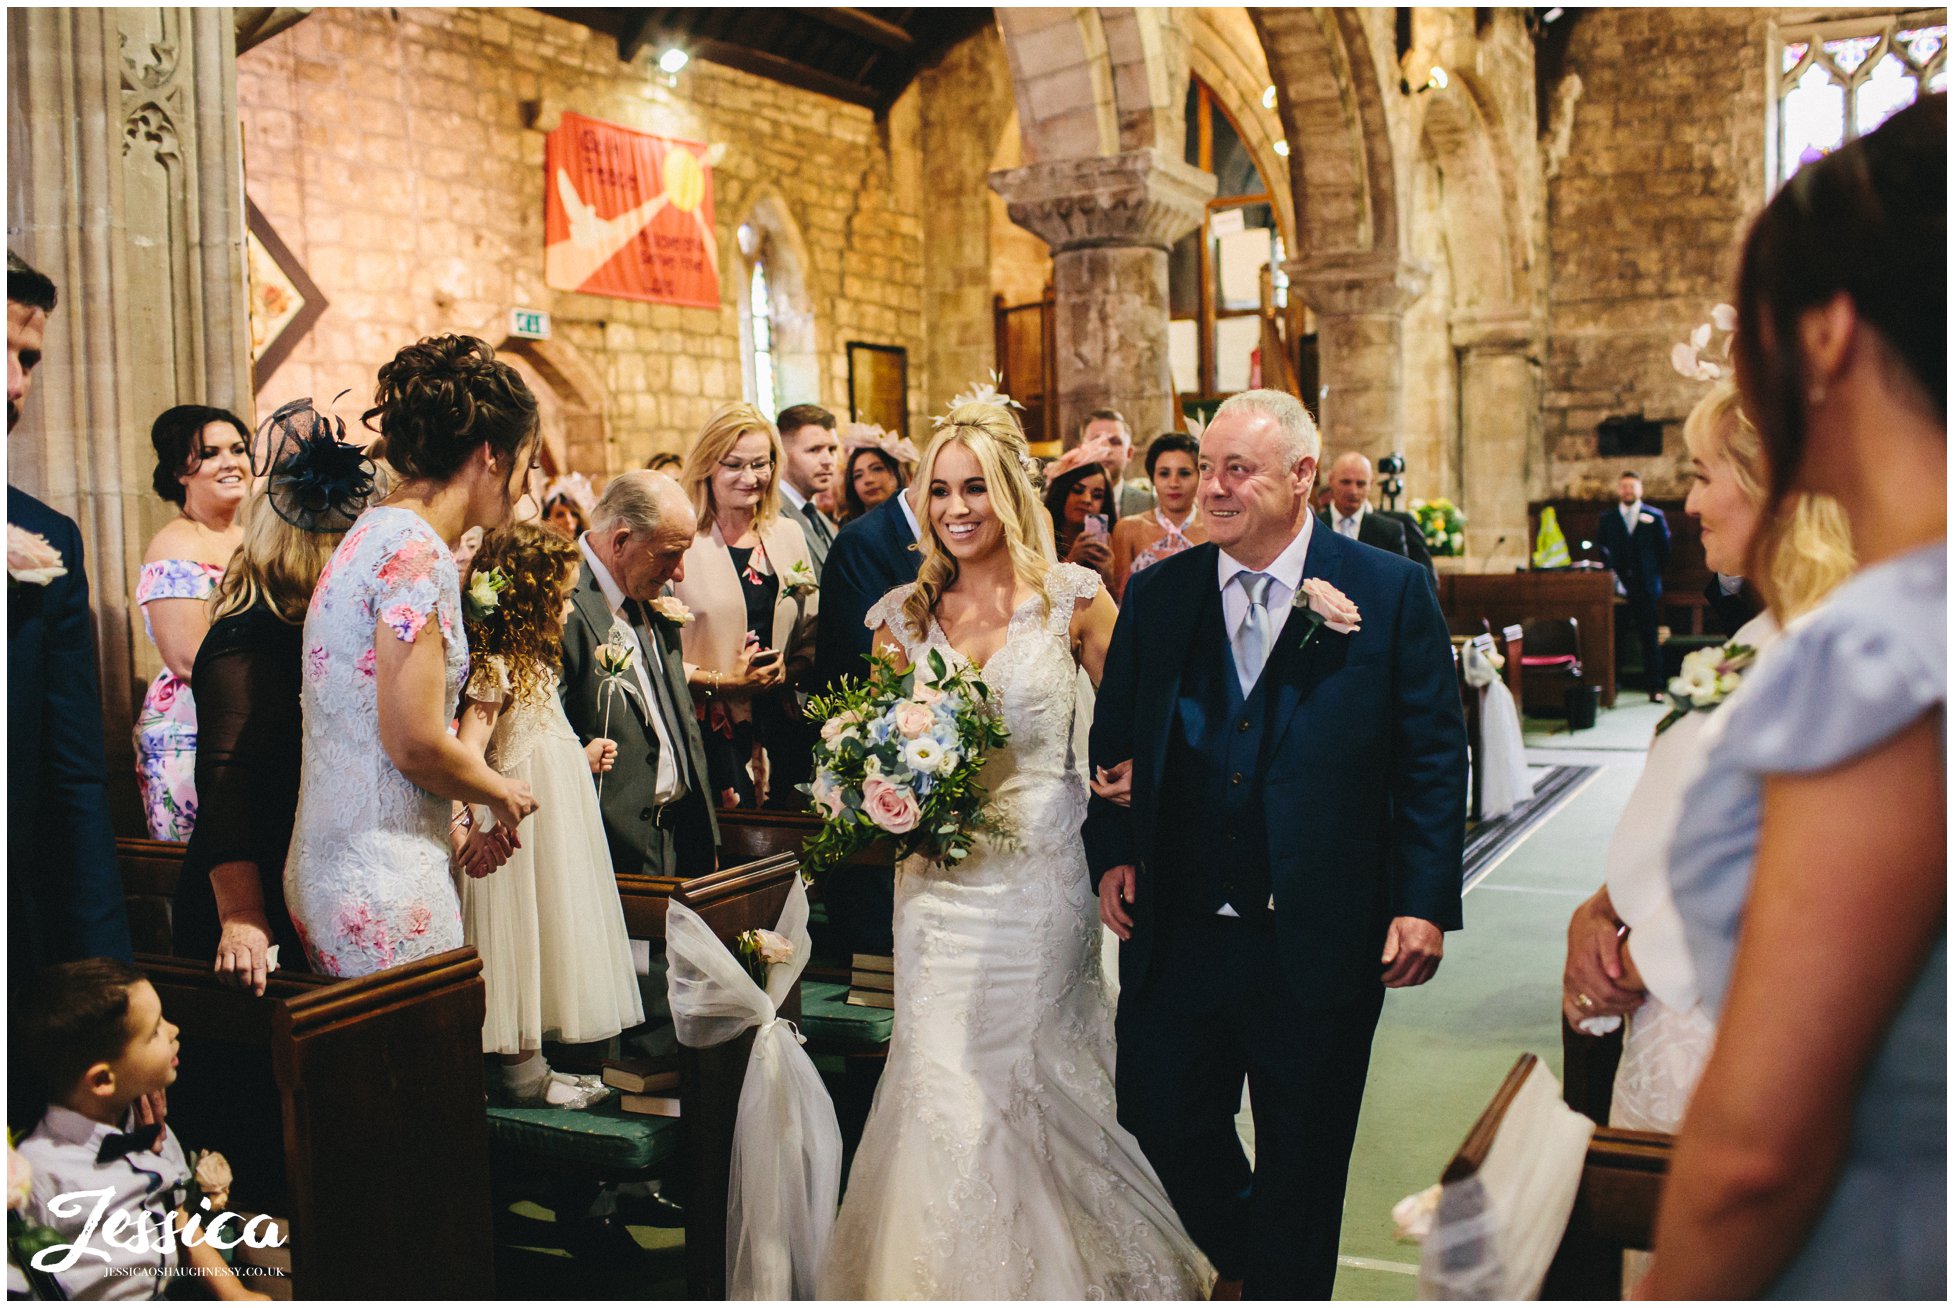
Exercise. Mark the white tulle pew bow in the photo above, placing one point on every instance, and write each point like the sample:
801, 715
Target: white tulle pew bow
786, 1164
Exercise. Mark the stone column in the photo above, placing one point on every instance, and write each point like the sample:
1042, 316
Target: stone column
1499, 430
1359, 303
1110, 222
125, 184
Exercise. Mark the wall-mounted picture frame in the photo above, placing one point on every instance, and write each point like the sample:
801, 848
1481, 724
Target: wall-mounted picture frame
284, 301
878, 386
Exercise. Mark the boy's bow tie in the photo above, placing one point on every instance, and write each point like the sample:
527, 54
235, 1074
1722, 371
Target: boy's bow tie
123, 1143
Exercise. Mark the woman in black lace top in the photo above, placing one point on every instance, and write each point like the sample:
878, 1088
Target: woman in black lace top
230, 897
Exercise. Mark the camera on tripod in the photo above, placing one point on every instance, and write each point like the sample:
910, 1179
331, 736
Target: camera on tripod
1391, 468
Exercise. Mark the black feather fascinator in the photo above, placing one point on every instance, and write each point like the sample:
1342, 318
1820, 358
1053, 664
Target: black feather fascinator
319, 483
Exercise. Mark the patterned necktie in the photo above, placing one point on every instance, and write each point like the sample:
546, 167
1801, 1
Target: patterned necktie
1252, 637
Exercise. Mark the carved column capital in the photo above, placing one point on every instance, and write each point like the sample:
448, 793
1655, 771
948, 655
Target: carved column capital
1362, 284
1141, 198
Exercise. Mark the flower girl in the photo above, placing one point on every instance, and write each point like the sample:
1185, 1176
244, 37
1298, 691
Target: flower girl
548, 923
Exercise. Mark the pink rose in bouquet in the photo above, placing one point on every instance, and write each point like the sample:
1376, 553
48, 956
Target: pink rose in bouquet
912, 719
889, 806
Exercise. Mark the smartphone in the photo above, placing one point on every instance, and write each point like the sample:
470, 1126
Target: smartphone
766, 658
1097, 524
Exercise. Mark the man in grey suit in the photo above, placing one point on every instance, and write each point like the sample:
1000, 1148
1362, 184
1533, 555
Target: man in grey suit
807, 440
1130, 496
1350, 515
656, 805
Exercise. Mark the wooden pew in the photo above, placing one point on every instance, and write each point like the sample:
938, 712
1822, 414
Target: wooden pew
1614, 1209
149, 873
368, 1092
1472, 599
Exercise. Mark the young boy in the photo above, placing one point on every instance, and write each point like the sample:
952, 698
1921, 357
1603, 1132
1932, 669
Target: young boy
95, 1038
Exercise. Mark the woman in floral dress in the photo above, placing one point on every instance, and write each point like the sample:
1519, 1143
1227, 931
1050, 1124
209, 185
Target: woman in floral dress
203, 466
367, 879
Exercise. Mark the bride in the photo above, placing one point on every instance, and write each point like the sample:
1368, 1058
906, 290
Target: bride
992, 1165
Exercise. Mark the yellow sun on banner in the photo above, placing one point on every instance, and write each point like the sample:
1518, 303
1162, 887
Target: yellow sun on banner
685, 181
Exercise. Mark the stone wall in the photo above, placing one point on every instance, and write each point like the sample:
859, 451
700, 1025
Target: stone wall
1664, 167
399, 154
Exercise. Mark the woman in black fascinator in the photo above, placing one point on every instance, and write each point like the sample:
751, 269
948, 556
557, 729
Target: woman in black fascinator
230, 899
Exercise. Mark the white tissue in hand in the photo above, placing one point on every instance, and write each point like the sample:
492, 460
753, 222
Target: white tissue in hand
1413, 1214
1599, 1026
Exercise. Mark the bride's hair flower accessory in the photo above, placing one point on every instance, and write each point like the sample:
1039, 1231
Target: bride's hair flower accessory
859, 435
319, 482
484, 592
1329, 605
985, 392
31, 561
899, 755
1708, 677
1706, 354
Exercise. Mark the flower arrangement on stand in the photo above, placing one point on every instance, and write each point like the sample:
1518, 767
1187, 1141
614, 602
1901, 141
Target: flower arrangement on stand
1442, 523
899, 755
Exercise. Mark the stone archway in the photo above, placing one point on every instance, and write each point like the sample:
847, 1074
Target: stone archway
571, 401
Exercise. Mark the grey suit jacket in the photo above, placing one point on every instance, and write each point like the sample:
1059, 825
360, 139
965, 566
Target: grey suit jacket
817, 545
1135, 496
688, 845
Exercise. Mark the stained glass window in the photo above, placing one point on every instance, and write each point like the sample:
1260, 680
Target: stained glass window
1837, 81
760, 307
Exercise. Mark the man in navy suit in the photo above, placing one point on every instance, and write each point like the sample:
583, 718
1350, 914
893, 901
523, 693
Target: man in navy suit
1316, 782
1635, 543
870, 557
64, 890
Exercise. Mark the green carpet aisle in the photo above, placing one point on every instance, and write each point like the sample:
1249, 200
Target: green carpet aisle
1442, 1050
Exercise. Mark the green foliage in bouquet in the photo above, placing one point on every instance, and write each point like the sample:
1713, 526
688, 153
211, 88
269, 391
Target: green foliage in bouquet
1442, 523
898, 758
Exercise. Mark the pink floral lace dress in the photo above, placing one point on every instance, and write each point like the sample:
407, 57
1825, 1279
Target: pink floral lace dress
367, 877
166, 729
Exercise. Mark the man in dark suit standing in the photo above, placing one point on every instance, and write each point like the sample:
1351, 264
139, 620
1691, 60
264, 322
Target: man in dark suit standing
1350, 514
1244, 697
871, 557
809, 449
64, 890
656, 803
1635, 543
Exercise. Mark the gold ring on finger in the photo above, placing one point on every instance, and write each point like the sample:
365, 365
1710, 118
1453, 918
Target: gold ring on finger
1584, 1002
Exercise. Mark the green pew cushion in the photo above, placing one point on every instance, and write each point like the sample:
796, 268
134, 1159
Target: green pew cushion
602, 1137
827, 1015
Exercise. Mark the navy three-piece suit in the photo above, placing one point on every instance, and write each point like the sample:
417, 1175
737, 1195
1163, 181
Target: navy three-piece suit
1324, 803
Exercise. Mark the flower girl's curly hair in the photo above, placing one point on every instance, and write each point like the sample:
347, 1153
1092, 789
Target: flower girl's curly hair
525, 628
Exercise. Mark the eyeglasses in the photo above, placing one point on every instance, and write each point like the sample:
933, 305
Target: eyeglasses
760, 467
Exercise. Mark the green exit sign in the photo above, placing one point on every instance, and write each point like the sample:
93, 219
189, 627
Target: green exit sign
530, 324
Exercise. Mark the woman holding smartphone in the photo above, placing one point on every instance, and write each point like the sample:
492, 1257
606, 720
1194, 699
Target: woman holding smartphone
1079, 500
749, 584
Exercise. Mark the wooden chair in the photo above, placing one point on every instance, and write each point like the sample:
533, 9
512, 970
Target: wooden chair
1551, 664
1614, 1206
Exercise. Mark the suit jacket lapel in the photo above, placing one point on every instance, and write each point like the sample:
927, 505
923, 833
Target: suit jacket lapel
1297, 662
659, 672
590, 602
1175, 640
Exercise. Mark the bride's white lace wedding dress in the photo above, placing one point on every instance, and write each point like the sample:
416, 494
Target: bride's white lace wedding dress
993, 1166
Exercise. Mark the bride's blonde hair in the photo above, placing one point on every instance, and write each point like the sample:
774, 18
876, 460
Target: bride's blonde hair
994, 439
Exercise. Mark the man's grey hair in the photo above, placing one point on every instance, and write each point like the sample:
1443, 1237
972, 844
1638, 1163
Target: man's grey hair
637, 499
1300, 439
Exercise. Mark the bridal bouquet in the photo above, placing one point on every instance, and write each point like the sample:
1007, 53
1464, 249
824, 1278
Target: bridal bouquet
899, 756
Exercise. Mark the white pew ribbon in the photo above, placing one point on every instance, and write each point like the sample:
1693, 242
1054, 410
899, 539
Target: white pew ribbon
785, 1181
1503, 749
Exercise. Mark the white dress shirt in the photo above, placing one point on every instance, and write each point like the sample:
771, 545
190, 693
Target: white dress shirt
143, 1187
666, 788
1630, 512
792, 496
909, 512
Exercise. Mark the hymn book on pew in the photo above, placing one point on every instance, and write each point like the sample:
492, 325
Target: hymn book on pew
872, 981
649, 1105
638, 1076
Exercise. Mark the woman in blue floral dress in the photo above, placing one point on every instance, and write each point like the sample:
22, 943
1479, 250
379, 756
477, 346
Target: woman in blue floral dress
203, 466
385, 656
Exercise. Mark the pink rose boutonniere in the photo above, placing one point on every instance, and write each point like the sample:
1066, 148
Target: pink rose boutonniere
1328, 605
31, 561
672, 609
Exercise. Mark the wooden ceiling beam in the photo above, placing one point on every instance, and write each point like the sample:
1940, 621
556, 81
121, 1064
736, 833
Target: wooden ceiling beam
775, 68
860, 22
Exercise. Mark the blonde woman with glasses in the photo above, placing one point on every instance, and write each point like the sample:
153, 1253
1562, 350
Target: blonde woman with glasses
749, 584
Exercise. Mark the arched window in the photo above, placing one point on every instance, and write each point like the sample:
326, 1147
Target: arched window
1838, 81
761, 362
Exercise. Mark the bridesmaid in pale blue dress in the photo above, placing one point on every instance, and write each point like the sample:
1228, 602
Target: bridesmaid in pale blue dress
1810, 863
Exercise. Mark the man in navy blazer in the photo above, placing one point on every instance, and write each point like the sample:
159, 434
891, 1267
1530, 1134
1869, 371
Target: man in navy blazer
1277, 833
64, 890
870, 557
1635, 543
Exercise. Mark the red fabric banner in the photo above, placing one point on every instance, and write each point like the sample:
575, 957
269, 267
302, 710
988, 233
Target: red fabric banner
628, 214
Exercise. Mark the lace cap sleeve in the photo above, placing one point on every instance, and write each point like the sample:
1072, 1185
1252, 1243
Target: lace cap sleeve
1067, 584
488, 680
1847, 678
417, 581
887, 611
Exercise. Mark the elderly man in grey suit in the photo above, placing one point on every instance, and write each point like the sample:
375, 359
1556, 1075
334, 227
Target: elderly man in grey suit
809, 447
656, 805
